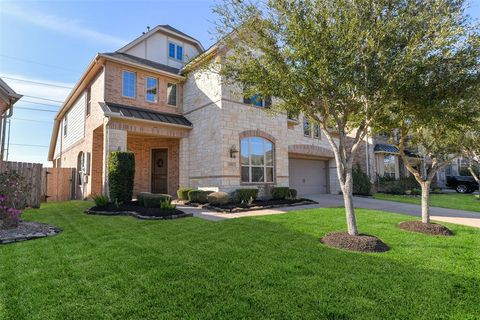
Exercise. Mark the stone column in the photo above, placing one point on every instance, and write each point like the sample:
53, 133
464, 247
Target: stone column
184, 162
334, 184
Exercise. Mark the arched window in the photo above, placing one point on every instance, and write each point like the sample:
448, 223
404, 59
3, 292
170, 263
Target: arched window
257, 160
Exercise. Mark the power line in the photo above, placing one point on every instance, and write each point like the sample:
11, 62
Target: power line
31, 120
52, 100
28, 145
35, 62
39, 103
37, 82
44, 110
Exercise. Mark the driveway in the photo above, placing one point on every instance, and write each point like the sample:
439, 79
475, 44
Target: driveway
329, 200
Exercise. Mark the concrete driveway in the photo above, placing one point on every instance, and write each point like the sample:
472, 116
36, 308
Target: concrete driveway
328, 201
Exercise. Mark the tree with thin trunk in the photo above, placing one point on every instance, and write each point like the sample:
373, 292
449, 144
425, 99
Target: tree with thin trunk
471, 152
437, 106
337, 62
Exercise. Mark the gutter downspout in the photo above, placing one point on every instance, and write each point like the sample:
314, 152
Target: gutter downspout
4, 129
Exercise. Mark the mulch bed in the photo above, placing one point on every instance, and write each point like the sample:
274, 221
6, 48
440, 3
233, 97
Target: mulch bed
140, 212
360, 243
257, 205
426, 228
28, 231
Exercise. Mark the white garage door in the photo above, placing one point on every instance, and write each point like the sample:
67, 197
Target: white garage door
307, 176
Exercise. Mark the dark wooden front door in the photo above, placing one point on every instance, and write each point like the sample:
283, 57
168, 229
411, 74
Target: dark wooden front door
160, 171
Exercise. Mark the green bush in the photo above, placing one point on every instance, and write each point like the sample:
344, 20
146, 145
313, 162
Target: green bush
292, 194
154, 200
182, 193
396, 186
140, 197
361, 182
166, 204
121, 172
219, 198
416, 192
198, 196
100, 200
246, 195
280, 193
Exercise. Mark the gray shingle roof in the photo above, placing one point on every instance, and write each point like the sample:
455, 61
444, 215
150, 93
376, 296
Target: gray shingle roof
143, 114
388, 148
145, 62
169, 27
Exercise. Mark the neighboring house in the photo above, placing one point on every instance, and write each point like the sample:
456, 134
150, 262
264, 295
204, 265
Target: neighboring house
8, 97
185, 126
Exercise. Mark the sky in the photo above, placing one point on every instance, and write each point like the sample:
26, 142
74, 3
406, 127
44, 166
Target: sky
46, 45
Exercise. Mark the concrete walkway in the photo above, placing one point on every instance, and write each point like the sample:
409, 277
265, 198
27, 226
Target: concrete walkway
328, 201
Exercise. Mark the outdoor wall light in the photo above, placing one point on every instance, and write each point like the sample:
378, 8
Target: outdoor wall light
233, 151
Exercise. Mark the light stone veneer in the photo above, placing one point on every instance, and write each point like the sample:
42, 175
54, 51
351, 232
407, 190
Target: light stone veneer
219, 116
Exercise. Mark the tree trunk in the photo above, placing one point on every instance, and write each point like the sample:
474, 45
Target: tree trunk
475, 176
425, 201
347, 189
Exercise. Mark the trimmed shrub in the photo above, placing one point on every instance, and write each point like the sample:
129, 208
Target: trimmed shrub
14, 190
361, 182
182, 193
140, 197
199, 196
100, 200
121, 171
155, 200
219, 198
292, 194
393, 186
280, 193
246, 195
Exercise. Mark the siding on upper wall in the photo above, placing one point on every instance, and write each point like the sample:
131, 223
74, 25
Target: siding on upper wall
57, 144
155, 48
75, 123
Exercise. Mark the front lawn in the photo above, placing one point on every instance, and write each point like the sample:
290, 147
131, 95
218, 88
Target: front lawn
261, 267
468, 202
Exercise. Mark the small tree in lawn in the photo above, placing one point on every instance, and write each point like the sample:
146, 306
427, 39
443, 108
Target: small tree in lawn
121, 174
335, 61
437, 105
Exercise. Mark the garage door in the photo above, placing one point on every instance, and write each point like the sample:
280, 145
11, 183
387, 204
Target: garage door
307, 176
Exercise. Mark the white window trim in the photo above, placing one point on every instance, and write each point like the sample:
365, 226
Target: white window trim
146, 88
396, 165
176, 95
310, 131
65, 126
134, 86
177, 44
264, 166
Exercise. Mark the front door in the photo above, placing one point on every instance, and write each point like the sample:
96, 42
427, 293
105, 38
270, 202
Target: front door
159, 171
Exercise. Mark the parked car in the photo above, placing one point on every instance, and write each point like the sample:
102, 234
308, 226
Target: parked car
462, 184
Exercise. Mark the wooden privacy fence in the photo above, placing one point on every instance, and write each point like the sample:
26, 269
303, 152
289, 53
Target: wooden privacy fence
33, 173
57, 184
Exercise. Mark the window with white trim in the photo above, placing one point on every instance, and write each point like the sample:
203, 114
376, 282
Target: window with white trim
151, 94
307, 128
175, 51
257, 160
129, 83
389, 165
172, 94
65, 126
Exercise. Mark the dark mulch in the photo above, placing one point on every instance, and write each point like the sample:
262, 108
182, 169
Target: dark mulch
259, 205
361, 243
27, 231
138, 211
426, 228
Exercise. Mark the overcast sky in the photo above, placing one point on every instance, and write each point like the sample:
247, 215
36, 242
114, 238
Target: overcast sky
46, 45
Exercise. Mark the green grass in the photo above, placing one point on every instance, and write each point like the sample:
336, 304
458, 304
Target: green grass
468, 202
256, 268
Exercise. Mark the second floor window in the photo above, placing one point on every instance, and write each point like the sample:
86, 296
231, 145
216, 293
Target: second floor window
172, 94
175, 51
152, 90
316, 131
65, 126
89, 101
307, 128
258, 101
129, 83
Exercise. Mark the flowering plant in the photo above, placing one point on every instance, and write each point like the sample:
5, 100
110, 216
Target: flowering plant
13, 198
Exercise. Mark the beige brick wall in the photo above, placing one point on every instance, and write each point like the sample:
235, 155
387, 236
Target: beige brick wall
113, 89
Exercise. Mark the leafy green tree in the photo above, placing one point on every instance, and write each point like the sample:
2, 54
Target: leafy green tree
471, 144
335, 61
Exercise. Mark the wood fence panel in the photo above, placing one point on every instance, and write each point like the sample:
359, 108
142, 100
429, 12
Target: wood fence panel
58, 184
33, 173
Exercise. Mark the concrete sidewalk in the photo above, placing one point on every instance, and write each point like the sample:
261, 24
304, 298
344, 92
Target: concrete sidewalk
467, 218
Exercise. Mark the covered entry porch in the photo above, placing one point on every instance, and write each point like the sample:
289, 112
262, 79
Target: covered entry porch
156, 140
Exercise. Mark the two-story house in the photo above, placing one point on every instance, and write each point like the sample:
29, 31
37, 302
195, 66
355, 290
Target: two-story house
185, 126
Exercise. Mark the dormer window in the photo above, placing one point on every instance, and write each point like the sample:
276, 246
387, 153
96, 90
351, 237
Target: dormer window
258, 101
175, 51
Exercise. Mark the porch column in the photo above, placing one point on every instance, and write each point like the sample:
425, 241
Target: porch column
113, 140
184, 162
